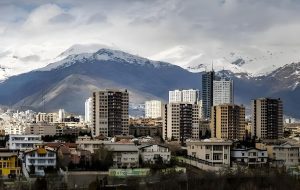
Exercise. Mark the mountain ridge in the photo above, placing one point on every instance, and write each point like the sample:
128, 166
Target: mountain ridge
68, 83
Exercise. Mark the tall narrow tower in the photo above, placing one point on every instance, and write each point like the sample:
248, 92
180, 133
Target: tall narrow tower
207, 93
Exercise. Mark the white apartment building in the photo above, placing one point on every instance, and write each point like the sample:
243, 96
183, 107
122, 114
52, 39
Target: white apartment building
222, 92
153, 109
23, 142
214, 152
46, 117
40, 158
61, 115
150, 153
191, 96
249, 156
14, 128
175, 96
88, 110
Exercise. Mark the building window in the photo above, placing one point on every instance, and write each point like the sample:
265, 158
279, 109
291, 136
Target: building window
225, 156
207, 156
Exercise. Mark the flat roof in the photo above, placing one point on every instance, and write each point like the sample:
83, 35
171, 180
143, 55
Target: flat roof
8, 154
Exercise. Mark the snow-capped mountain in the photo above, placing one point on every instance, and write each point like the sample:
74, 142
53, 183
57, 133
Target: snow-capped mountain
103, 55
18, 60
68, 82
289, 76
254, 62
81, 48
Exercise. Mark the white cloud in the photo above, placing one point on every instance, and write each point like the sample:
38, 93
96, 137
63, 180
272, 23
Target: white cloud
183, 32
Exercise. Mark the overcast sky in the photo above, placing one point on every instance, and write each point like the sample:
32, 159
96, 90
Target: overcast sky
38, 30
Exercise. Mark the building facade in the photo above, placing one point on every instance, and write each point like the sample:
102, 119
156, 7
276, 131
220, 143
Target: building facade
228, 122
213, 152
110, 113
88, 110
9, 163
191, 96
222, 92
124, 155
23, 142
152, 153
181, 121
267, 118
207, 93
42, 129
249, 156
39, 159
285, 154
153, 109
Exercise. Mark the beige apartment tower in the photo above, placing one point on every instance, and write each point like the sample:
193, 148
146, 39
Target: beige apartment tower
267, 118
181, 121
110, 112
228, 122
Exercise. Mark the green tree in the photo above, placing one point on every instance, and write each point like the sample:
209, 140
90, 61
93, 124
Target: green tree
102, 159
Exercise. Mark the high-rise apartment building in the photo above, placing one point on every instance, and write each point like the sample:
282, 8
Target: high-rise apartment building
191, 96
181, 121
175, 96
110, 112
153, 109
267, 118
228, 122
222, 92
61, 115
88, 110
207, 93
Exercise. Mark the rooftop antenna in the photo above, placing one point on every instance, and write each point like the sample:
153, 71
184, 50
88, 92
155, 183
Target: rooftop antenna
212, 65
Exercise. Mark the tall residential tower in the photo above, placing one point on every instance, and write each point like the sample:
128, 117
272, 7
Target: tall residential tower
110, 112
267, 118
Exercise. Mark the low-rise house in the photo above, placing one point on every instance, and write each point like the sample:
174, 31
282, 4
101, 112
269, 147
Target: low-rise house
38, 159
249, 156
124, 155
63, 150
285, 154
152, 153
23, 142
86, 143
214, 152
9, 163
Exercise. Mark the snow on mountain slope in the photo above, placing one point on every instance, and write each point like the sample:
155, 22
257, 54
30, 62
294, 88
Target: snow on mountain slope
254, 61
81, 48
105, 55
